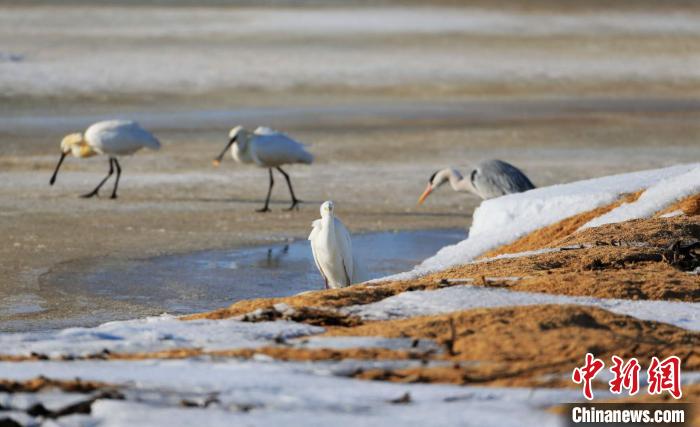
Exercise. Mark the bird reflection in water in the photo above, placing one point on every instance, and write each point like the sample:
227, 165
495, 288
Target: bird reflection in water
273, 258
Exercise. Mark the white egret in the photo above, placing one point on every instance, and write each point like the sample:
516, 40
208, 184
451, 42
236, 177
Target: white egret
269, 149
112, 138
332, 249
489, 179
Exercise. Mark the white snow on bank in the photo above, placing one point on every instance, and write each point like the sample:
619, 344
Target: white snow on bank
289, 394
505, 219
655, 198
457, 298
677, 212
167, 332
52, 400
152, 334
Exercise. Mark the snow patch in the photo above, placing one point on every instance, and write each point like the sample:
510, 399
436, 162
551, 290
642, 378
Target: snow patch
675, 213
459, 298
153, 334
655, 198
289, 394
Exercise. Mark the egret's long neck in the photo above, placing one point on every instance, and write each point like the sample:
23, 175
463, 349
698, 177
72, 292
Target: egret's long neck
328, 224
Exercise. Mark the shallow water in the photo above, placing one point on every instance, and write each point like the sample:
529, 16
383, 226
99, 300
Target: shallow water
211, 279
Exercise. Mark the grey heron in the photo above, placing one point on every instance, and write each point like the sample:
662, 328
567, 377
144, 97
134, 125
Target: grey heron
489, 179
269, 149
331, 246
111, 137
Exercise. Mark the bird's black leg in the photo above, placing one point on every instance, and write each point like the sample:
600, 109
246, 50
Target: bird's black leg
116, 182
97, 189
269, 193
295, 201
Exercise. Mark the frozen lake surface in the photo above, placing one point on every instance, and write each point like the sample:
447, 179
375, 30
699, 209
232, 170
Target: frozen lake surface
205, 280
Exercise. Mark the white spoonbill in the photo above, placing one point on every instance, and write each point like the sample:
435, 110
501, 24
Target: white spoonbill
269, 149
332, 249
489, 179
112, 138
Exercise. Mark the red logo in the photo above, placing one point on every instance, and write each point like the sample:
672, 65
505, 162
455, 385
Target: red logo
626, 376
586, 373
663, 375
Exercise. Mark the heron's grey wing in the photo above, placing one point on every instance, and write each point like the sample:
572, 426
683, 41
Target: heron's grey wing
494, 178
119, 137
264, 130
316, 229
276, 149
344, 248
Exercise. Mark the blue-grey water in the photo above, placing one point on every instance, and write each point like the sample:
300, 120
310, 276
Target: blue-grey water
211, 279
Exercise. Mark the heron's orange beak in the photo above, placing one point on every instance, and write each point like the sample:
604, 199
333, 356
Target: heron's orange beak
216, 163
425, 194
